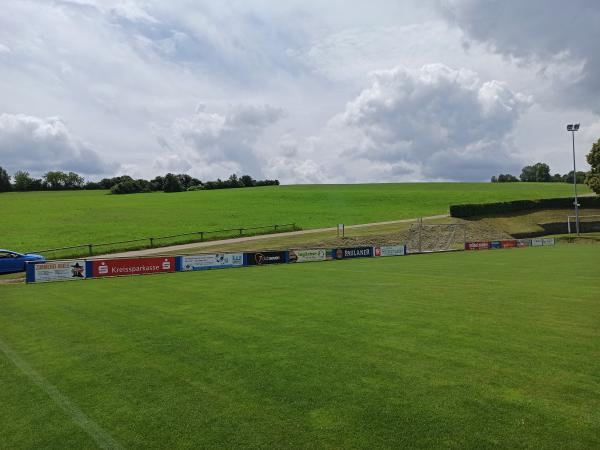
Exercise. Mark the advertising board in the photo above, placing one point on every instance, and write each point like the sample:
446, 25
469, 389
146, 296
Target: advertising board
511, 243
263, 258
548, 241
56, 271
477, 245
353, 252
495, 244
537, 242
212, 261
309, 255
523, 242
390, 250
132, 266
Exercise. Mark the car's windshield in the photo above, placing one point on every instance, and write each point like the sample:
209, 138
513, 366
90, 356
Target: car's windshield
10, 254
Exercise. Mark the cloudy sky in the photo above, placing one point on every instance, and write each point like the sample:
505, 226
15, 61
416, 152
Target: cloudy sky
304, 91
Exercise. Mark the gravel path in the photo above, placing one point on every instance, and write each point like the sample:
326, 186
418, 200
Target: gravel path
196, 245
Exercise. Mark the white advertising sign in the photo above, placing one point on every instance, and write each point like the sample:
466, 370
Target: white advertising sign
212, 261
308, 255
537, 242
548, 241
60, 270
392, 250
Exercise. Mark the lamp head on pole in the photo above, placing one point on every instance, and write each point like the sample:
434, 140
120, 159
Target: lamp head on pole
573, 127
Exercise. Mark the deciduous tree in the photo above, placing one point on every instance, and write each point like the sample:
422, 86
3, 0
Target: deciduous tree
539, 172
593, 177
4, 180
172, 183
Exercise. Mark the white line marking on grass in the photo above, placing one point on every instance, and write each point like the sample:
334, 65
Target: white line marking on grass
100, 436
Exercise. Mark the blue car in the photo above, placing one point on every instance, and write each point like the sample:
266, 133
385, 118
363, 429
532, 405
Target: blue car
16, 262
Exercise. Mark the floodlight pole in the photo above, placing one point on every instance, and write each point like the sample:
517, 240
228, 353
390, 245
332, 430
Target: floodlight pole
576, 203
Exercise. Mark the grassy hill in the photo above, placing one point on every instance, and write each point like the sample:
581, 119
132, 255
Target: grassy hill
36, 220
467, 350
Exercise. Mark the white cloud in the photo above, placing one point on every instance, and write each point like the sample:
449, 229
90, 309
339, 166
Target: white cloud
213, 143
303, 171
38, 145
411, 124
445, 122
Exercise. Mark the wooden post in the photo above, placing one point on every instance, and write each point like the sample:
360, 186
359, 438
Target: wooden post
420, 231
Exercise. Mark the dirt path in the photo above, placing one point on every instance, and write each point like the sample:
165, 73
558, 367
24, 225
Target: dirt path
196, 245
19, 278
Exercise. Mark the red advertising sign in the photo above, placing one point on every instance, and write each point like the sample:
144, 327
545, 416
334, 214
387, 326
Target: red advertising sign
477, 245
508, 243
132, 266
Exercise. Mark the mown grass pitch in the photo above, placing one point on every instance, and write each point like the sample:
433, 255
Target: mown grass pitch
41, 220
465, 350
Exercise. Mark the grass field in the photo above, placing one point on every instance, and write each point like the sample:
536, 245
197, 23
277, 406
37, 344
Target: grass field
496, 349
39, 220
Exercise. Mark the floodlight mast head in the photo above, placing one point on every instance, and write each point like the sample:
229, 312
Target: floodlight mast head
573, 127
576, 127
570, 127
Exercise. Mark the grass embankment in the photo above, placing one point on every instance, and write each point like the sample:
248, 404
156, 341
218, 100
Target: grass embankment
532, 221
585, 238
397, 233
468, 350
38, 220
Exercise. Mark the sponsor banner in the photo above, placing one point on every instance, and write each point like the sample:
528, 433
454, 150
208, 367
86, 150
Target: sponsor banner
509, 243
537, 242
523, 242
212, 261
56, 271
390, 250
495, 244
308, 255
132, 266
548, 241
353, 252
262, 258
477, 245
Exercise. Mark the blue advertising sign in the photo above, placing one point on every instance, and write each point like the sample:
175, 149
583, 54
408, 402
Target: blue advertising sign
353, 252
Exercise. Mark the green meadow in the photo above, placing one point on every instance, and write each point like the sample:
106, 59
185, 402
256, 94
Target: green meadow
39, 220
470, 350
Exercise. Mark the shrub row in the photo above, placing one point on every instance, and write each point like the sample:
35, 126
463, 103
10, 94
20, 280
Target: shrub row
485, 209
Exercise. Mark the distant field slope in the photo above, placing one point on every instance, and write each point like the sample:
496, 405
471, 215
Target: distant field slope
471, 350
34, 220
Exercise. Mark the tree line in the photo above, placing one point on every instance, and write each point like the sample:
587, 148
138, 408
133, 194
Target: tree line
124, 184
539, 173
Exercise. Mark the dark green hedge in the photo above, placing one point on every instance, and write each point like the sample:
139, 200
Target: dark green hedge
486, 209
